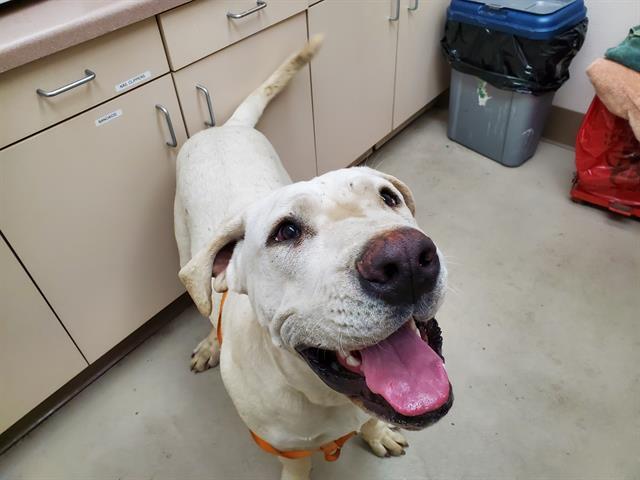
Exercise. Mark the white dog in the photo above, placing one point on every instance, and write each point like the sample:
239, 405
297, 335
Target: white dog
328, 327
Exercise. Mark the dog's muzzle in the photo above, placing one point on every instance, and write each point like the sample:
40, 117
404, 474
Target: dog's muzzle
401, 378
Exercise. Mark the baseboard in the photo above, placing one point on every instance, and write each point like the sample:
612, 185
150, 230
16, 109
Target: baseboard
562, 126
74, 386
361, 158
440, 101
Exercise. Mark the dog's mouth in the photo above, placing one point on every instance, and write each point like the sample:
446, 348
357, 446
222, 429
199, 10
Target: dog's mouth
401, 379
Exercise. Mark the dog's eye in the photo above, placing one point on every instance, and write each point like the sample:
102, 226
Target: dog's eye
287, 230
390, 198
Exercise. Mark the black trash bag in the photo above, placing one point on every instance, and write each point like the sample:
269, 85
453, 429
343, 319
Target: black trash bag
511, 62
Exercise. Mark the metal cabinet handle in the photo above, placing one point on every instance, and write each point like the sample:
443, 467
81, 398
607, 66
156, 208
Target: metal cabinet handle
260, 4
212, 120
415, 6
173, 142
65, 88
396, 16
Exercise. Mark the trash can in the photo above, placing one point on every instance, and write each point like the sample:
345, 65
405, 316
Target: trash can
509, 57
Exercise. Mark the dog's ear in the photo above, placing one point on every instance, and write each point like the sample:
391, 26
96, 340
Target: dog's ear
402, 188
209, 266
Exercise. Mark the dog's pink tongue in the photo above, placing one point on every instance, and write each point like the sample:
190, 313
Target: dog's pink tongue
406, 372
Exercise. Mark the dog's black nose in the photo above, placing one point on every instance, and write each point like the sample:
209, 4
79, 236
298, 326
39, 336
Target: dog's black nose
399, 266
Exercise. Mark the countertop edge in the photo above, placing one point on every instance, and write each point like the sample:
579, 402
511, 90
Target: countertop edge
79, 30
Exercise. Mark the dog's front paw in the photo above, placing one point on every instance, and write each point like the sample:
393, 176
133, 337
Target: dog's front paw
382, 440
205, 355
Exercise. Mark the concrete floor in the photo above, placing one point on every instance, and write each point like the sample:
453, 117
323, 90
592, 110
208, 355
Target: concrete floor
541, 335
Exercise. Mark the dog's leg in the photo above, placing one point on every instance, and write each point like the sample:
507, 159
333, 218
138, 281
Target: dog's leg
206, 354
295, 469
382, 440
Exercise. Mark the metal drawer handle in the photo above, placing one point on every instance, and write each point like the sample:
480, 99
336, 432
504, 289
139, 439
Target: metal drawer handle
212, 120
415, 6
173, 142
396, 16
260, 4
65, 88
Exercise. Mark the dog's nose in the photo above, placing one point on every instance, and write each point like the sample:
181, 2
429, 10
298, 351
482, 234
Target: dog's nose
399, 266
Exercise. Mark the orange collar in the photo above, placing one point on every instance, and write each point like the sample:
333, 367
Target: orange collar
331, 450
219, 325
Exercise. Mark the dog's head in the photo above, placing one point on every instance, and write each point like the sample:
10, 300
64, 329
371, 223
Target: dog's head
339, 272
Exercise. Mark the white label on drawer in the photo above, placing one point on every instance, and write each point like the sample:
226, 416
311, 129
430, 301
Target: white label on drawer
107, 118
141, 77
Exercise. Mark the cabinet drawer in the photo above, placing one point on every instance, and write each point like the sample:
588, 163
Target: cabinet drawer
88, 207
36, 355
202, 27
120, 61
232, 74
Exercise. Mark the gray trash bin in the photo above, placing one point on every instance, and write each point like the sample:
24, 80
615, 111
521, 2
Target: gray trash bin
509, 57
502, 125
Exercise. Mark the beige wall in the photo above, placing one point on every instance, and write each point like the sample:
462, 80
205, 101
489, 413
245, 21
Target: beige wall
609, 22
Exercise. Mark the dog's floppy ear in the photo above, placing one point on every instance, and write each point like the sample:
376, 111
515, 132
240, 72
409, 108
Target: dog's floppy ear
209, 265
402, 188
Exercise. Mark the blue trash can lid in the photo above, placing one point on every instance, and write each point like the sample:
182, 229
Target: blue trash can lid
535, 19
541, 7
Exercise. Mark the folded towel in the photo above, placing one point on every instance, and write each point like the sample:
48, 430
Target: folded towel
619, 89
628, 52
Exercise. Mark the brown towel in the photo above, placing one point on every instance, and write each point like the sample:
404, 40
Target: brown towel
619, 89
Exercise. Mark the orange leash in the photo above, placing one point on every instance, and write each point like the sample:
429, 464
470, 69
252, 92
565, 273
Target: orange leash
331, 450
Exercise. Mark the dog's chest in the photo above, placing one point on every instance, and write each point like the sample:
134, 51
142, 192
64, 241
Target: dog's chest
265, 398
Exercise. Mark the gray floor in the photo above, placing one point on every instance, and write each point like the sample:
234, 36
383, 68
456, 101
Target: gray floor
542, 341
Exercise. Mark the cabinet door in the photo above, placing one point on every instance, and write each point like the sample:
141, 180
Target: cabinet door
36, 355
421, 72
352, 78
233, 73
87, 206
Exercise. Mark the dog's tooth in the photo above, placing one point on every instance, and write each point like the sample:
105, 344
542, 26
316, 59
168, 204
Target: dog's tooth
353, 361
414, 327
341, 355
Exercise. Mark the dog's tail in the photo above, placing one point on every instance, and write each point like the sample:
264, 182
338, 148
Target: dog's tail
250, 111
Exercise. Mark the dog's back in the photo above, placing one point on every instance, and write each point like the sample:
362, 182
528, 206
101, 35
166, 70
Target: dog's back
223, 169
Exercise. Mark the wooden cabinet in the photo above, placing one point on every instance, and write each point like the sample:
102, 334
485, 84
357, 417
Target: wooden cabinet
87, 206
421, 71
352, 78
373, 73
233, 73
120, 61
202, 27
36, 354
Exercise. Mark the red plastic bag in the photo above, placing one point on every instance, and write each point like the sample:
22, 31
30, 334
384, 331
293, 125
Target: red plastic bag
607, 162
